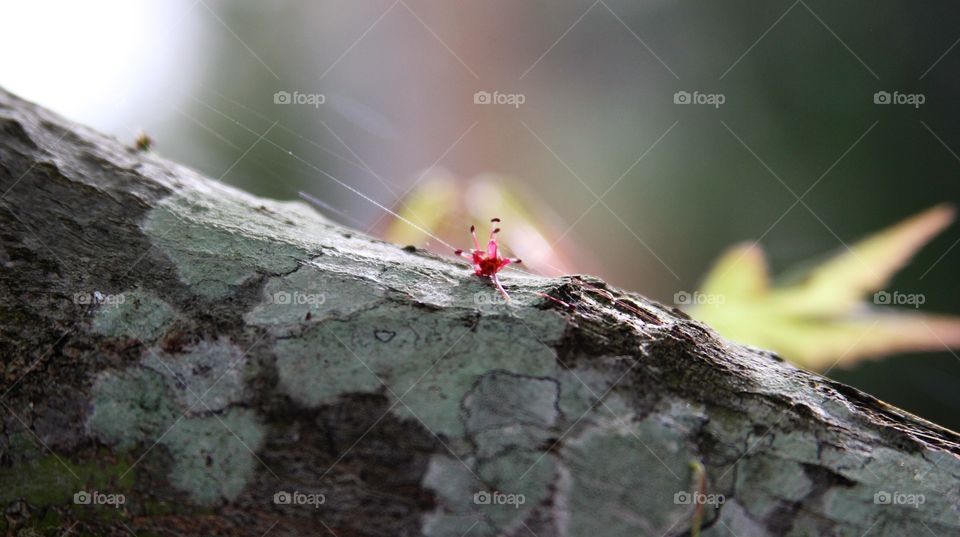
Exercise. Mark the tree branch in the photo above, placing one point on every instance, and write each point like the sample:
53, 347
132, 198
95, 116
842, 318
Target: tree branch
224, 364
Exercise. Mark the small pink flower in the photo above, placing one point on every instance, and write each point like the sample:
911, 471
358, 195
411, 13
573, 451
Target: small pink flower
487, 263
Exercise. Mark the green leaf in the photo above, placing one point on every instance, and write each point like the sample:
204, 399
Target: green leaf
824, 320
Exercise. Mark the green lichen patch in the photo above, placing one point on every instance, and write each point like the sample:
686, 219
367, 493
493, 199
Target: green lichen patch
515, 485
457, 487
430, 363
505, 410
375, 260
205, 377
129, 406
839, 481
800, 446
450, 525
310, 295
738, 521
437, 381
454, 482
133, 314
913, 489
764, 484
216, 241
492, 497
583, 388
624, 478
214, 457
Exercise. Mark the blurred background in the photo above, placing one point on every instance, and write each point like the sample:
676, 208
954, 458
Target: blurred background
600, 122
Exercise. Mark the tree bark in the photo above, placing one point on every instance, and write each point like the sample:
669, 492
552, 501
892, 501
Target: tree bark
182, 358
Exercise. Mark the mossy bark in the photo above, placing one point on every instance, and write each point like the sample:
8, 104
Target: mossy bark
199, 361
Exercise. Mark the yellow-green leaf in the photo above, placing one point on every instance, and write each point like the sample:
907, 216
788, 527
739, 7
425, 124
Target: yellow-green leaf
825, 320
740, 273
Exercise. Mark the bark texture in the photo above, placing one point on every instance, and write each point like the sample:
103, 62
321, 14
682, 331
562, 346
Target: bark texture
182, 358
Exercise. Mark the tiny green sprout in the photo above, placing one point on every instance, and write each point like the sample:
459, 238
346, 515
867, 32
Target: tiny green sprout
700, 476
143, 142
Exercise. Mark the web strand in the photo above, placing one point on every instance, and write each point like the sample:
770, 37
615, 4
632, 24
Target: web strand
314, 200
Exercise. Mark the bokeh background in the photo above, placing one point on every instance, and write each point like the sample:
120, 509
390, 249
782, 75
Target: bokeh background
598, 80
